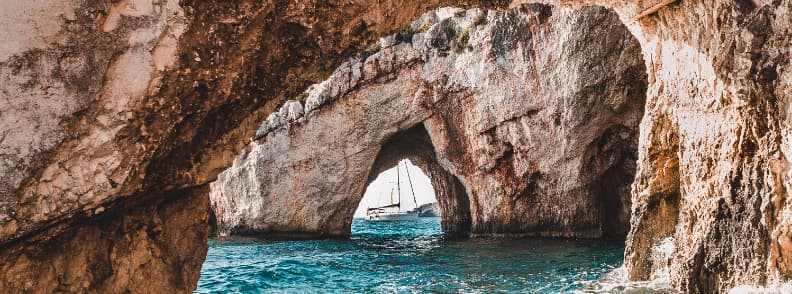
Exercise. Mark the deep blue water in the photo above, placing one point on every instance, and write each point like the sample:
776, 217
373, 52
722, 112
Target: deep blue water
405, 257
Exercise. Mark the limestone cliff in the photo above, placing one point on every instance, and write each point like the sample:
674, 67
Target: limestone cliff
526, 121
114, 115
713, 169
110, 111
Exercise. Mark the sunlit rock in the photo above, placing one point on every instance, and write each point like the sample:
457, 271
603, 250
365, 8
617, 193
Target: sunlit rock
294, 110
520, 133
112, 112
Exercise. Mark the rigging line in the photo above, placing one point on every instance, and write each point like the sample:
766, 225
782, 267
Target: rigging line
398, 185
411, 185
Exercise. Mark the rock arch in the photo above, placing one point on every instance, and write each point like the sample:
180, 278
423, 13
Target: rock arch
531, 128
718, 68
416, 144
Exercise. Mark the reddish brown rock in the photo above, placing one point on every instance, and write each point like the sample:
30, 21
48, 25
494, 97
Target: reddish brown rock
105, 106
713, 167
152, 247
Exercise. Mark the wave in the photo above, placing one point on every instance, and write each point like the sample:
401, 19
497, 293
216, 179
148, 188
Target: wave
617, 281
775, 288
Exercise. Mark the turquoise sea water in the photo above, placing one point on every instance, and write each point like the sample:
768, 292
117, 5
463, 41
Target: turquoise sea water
405, 257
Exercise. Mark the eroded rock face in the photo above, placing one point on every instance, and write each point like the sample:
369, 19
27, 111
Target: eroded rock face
68, 96
713, 167
158, 246
110, 106
526, 120
713, 171
180, 89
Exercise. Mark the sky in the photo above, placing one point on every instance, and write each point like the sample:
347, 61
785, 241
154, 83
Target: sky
381, 187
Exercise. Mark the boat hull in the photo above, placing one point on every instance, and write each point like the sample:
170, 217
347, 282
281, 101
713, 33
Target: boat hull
429, 210
392, 217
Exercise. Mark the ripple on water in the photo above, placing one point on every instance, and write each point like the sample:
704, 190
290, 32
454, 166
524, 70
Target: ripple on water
406, 257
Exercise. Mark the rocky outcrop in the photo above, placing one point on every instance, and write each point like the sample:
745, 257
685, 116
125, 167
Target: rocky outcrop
713, 168
154, 247
109, 106
526, 121
713, 172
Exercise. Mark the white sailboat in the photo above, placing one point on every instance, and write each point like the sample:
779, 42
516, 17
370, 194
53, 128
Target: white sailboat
393, 211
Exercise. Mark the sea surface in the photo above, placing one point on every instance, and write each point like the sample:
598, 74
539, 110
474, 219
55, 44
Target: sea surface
406, 257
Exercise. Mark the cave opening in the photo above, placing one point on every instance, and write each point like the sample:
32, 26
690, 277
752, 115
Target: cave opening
399, 199
404, 184
332, 204
413, 151
169, 138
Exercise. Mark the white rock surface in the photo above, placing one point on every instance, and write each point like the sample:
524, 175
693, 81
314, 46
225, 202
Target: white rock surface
520, 133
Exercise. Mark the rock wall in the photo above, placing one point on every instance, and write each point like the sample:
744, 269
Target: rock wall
526, 120
154, 247
713, 169
107, 106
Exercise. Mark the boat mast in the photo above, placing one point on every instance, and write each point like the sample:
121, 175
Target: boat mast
411, 186
398, 187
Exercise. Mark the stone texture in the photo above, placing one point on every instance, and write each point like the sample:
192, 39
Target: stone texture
153, 247
526, 121
56, 98
713, 167
713, 146
105, 105
179, 89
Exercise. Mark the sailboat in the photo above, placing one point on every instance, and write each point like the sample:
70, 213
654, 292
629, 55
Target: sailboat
393, 211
